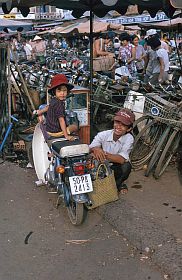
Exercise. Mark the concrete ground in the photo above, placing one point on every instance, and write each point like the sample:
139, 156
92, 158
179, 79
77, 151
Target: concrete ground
150, 216
145, 224
38, 242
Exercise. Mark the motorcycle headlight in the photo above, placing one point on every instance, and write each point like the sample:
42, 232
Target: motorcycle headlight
102, 82
135, 86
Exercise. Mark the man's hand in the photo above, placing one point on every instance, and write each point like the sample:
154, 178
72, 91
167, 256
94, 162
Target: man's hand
99, 154
160, 80
114, 158
70, 138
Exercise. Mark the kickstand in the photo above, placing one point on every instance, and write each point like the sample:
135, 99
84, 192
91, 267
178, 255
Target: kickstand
58, 201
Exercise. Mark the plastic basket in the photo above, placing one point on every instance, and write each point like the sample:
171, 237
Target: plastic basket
158, 106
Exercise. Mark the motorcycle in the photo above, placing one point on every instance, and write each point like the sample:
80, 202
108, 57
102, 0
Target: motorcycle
67, 167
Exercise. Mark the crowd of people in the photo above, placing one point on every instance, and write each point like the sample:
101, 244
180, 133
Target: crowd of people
146, 54
34, 48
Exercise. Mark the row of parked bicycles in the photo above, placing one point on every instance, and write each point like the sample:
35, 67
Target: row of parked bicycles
157, 136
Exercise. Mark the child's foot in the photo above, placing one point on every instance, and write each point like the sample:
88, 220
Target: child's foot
123, 189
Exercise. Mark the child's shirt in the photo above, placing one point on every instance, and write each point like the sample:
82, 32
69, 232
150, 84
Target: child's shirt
55, 111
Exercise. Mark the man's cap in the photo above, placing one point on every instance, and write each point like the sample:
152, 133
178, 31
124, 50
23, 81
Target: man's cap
150, 32
58, 80
37, 38
125, 116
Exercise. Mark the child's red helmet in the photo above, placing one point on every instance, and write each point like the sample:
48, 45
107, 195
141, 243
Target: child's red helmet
60, 79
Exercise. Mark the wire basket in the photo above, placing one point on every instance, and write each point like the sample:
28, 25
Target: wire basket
158, 106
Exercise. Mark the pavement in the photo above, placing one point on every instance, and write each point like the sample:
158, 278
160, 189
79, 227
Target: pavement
150, 217
38, 241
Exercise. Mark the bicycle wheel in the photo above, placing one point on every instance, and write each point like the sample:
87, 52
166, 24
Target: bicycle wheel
167, 154
140, 123
159, 148
145, 143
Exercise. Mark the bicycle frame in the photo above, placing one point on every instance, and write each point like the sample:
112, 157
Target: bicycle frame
7, 132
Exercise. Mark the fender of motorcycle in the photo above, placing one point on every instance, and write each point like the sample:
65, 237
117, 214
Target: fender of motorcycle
67, 195
81, 198
40, 150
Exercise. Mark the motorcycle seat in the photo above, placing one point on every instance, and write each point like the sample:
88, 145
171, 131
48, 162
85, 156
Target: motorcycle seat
70, 148
58, 144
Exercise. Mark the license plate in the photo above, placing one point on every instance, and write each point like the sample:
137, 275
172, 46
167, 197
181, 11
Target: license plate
81, 184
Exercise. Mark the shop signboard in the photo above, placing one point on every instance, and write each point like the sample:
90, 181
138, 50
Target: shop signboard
137, 19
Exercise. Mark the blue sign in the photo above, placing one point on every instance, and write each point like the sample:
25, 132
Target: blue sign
137, 19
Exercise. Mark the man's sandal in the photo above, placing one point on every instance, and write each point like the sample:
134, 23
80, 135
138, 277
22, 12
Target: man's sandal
123, 189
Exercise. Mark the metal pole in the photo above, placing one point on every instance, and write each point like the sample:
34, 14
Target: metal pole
177, 49
9, 83
91, 63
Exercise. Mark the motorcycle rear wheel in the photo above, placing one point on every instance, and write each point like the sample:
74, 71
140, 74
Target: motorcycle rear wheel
76, 213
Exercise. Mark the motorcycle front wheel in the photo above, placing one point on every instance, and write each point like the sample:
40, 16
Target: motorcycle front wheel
76, 212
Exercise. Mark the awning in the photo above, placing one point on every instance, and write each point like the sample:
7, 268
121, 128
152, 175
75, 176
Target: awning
98, 7
14, 25
177, 22
84, 28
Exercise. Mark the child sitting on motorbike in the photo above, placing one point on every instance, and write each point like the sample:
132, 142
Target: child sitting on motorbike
55, 119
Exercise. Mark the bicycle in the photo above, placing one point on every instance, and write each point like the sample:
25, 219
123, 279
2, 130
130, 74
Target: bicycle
166, 147
168, 152
152, 131
146, 141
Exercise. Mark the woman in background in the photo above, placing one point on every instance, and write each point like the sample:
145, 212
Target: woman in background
126, 52
140, 54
